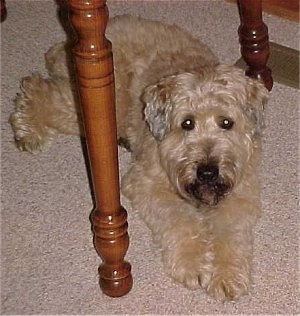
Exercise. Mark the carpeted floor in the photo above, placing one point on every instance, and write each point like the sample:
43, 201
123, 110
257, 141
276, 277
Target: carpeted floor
48, 263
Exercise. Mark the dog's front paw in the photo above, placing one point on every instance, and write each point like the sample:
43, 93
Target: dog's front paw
190, 266
228, 283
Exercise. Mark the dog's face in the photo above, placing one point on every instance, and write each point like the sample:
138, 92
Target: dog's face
207, 125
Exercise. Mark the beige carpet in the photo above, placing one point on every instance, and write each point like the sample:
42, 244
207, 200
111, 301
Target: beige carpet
48, 263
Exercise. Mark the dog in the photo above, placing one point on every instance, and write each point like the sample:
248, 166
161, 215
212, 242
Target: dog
194, 128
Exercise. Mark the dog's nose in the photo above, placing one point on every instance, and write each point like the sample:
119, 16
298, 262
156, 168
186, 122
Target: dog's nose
207, 173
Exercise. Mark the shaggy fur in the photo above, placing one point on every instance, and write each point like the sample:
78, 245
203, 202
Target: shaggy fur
193, 126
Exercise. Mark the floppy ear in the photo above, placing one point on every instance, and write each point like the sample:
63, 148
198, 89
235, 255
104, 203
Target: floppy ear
257, 97
158, 107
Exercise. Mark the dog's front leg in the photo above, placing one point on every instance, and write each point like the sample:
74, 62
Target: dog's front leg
231, 226
176, 226
187, 251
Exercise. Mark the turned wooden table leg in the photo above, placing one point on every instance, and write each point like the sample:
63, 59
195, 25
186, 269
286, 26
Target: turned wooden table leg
253, 34
3, 10
94, 68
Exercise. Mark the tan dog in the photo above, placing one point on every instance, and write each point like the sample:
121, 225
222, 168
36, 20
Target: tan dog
194, 128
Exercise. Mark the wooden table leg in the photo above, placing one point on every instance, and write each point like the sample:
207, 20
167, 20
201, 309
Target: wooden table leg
253, 34
94, 68
3, 10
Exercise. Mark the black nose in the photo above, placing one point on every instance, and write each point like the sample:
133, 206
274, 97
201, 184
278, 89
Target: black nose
207, 173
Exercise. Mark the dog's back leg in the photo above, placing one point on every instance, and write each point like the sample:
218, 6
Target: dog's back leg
45, 108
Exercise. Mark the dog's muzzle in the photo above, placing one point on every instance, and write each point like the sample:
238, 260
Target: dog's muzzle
208, 187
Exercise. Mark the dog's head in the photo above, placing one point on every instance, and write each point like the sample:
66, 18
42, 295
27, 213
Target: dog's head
207, 125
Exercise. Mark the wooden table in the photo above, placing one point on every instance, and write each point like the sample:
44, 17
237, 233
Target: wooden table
94, 68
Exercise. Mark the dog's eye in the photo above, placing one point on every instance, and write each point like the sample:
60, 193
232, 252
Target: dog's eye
188, 124
226, 123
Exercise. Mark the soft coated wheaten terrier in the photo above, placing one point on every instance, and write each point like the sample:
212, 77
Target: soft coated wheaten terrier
193, 126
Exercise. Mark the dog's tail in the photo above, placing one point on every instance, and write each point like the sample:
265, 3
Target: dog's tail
44, 108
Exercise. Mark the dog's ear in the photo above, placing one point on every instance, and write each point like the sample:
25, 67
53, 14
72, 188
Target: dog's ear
251, 94
157, 101
257, 97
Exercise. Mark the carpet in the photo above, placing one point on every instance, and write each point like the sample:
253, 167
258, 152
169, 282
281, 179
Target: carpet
48, 263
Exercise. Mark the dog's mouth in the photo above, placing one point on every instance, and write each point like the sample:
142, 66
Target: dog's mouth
208, 193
